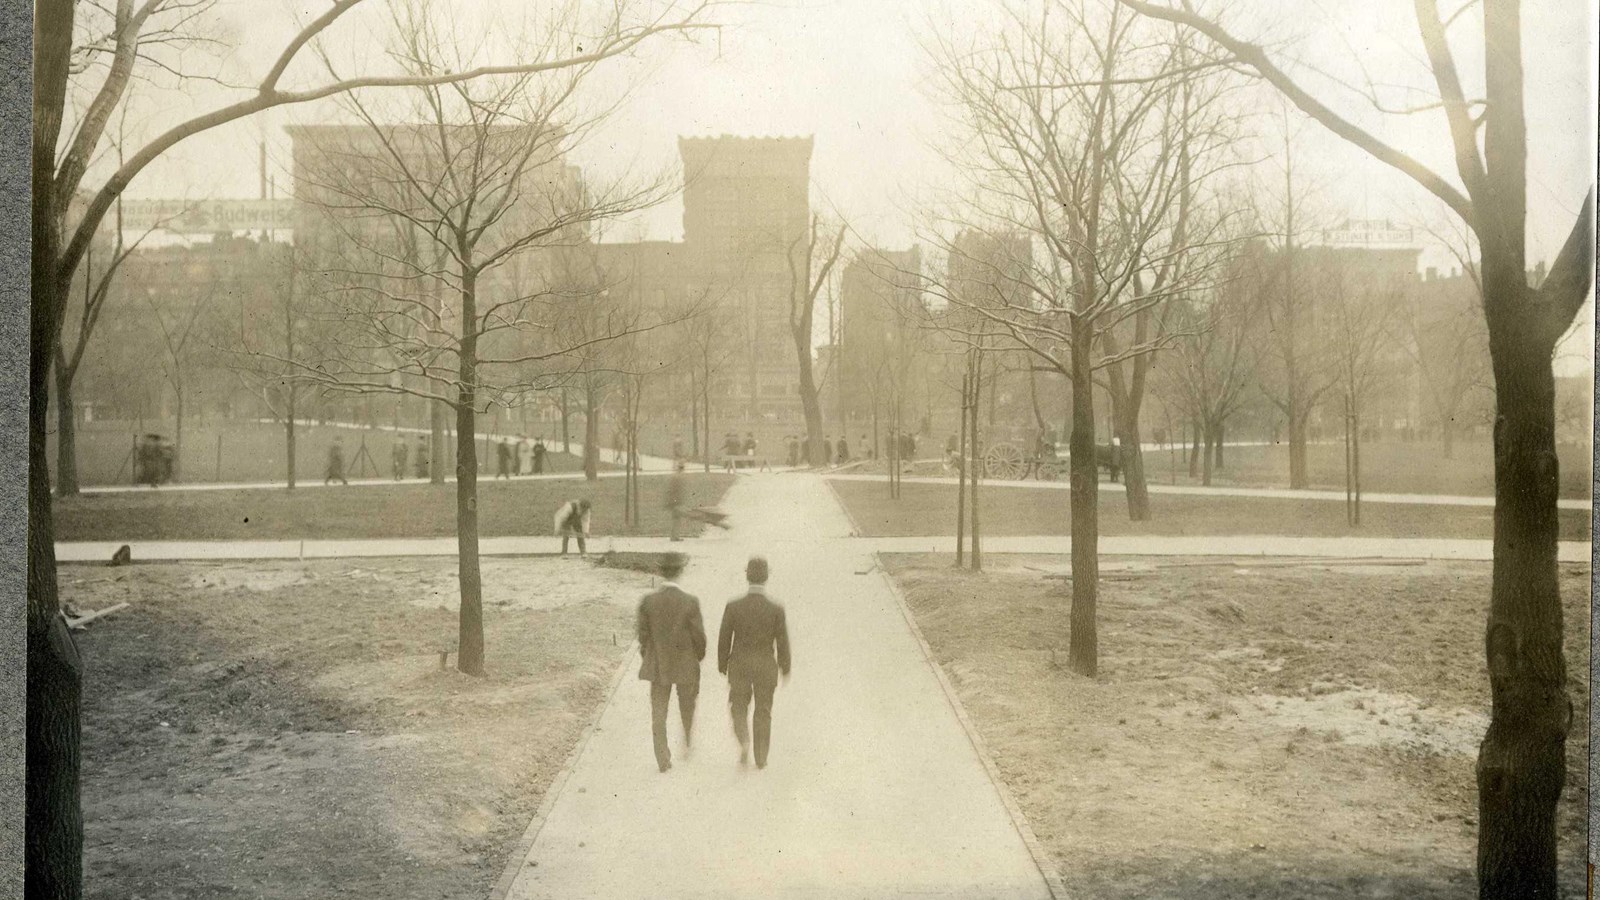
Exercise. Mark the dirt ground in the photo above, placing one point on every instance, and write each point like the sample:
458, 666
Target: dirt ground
404, 510
1254, 731
930, 509
284, 730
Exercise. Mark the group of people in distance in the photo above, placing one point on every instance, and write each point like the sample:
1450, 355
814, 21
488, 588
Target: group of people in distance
421, 458
752, 651
521, 458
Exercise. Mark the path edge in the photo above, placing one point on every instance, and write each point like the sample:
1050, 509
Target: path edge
519, 855
1019, 819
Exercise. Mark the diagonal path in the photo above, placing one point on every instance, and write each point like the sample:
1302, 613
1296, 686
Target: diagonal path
873, 788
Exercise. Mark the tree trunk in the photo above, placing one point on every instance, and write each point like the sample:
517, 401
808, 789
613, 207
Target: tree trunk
53, 815
1083, 653
977, 452
1194, 451
469, 647
1133, 480
177, 440
705, 422
438, 453
1221, 442
962, 472
288, 437
1208, 455
66, 431
1298, 477
591, 436
1522, 760
566, 432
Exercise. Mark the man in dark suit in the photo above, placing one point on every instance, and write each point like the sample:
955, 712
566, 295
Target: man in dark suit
672, 642
752, 650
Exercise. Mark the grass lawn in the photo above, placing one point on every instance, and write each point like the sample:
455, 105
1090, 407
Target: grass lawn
404, 510
1270, 732
1386, 467
282, 730
1010, 509
255, 451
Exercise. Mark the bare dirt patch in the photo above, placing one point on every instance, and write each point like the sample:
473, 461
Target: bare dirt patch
1284, 732
283, 730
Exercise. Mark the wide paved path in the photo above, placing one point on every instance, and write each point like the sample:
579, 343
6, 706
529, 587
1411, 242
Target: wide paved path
873, 788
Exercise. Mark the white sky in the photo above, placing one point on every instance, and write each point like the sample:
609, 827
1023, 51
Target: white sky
851, 73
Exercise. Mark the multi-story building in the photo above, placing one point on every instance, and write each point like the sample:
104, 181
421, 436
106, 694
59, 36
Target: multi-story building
883, 333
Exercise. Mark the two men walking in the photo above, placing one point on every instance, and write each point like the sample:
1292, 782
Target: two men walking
752, 650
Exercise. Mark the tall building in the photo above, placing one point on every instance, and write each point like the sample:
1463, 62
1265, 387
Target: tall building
746, 210
882, 331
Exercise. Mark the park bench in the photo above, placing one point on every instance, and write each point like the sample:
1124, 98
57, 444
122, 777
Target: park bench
741, 461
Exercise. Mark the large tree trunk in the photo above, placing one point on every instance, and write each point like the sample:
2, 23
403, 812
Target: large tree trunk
1522, 760
66, 430
1083, 654
1208, 455
469, 647
53, 816
811, 405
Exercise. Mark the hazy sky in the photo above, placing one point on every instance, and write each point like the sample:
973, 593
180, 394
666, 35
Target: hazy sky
852, 73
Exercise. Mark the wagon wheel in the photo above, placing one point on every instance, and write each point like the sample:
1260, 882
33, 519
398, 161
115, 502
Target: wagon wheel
1003, 461
1049, 470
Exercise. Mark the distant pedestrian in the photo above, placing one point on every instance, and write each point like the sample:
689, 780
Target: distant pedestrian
572, 520
617, 453
524, 455
827, 451
676, 489
793, 445
677, 448
672, 643
844, 451
749, 444
538, 455
397, 457
502, 458
868, 451
752, 650
424, 451
335, 463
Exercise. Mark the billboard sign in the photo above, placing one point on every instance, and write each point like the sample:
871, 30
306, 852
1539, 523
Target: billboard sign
207, 216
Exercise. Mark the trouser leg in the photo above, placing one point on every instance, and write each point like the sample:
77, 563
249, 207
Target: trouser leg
582, 549
565, 536
659, 694
739, 690
675, 517
688, 695
763, 720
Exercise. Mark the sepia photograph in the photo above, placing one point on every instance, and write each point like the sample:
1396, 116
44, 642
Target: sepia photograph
562, 449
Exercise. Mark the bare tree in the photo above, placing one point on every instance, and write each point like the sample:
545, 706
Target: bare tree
1071, 120
480, 180
176, 330
1522, 761
811, 257
61, 238
1209, 372
1363, 318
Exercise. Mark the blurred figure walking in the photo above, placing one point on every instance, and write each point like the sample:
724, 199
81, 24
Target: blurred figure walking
335, 463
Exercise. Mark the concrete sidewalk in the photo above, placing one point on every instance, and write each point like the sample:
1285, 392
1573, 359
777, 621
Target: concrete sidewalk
873, 788
1223, 491
1127, 545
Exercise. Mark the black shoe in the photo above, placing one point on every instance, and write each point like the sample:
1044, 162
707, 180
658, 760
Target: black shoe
665, 767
